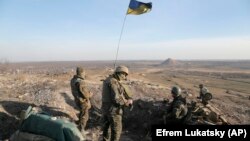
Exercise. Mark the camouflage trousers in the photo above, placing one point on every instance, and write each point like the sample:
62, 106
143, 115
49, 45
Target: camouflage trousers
112, 127
83, 116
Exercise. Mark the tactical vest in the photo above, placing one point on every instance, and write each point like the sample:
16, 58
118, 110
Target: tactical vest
108, 106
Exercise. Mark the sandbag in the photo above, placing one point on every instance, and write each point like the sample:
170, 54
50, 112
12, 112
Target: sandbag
56, 129
24, 136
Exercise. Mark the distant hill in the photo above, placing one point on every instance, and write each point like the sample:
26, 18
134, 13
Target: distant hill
169, 62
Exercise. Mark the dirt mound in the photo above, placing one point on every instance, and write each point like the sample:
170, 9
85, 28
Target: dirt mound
169, 62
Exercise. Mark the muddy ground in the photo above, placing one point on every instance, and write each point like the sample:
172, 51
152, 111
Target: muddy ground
46, 85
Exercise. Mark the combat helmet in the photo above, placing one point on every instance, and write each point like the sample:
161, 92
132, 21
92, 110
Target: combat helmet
176, 91
121, 69
80, 71
201, 86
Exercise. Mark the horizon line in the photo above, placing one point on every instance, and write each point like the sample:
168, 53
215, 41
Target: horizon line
132, 60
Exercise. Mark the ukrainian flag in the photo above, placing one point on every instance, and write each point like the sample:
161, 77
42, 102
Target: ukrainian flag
137, 8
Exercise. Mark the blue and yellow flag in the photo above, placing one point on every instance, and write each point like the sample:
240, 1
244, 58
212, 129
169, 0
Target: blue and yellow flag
137, 8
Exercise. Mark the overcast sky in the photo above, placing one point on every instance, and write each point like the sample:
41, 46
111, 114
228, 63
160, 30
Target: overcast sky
61, 30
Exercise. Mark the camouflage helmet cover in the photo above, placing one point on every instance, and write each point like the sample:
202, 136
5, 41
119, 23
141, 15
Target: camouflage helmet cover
122, 69
176, 91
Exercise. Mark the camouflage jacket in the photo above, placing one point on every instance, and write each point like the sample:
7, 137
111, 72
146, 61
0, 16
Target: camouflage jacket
178, 109
113, 98
80, 91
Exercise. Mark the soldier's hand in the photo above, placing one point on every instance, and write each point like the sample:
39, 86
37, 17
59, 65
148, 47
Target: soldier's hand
129, 102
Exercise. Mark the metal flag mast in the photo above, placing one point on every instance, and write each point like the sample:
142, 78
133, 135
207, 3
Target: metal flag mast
118, 47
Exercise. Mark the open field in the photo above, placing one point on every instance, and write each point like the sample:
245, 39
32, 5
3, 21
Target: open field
47, 86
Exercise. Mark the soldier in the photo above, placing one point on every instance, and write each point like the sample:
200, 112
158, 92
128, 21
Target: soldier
203, 91
114, 99
82, 97
178, 108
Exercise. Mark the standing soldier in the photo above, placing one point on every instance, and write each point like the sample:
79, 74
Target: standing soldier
82, 97
114, 98
178, 108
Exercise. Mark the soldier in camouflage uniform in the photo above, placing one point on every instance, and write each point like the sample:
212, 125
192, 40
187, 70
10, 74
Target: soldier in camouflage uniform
82, 96
205, 95
114, 99
178, 109
203, 91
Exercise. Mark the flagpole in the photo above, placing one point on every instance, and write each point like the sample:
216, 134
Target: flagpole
118, 47
139, 10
